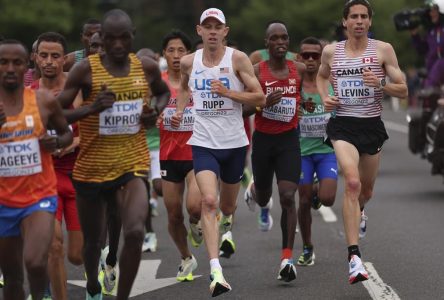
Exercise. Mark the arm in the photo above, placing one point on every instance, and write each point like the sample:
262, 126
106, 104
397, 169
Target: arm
158, 87
253, 94
255, 57
69, 62
322, 79
248, 110
183, 94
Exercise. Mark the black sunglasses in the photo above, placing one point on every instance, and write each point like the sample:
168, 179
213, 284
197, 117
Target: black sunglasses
314, 55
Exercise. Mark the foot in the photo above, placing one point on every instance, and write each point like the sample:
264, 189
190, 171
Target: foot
248, 197
356, 271
149, 242
2, 282
287, 271
227, 245
97, 296
195, 234
103, 255
186, 268
109, 280
218, 284
265, 220
363, 225
225, 223
307, 257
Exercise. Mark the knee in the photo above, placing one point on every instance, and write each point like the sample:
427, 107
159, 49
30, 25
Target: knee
209, 203
36, 264
157, 186
328, 201
134, 236
56, 250
353, 185
287, 199
194, 212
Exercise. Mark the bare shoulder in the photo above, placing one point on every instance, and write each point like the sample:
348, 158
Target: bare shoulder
239, 56
383, 47
45, 99
301, 67
329, 50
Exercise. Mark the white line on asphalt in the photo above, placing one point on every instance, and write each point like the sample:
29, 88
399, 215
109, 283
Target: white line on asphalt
327, 214
377, 289
396, 126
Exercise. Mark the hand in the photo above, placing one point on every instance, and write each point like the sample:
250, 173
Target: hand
217, 87
176, 119
309, 105
2, 115
104, 100
149, 116
49, 142
330, 103
62, 152
159, 120
370, 79
273, 98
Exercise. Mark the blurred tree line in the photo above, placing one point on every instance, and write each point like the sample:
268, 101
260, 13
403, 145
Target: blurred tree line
25, 20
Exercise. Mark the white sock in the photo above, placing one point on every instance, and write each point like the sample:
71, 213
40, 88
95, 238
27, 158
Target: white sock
214, 264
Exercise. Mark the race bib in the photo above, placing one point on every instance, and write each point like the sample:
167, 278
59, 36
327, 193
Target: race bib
20, 158
213, 106
314, 125
122, 118
353, 91
283, 111
187, 120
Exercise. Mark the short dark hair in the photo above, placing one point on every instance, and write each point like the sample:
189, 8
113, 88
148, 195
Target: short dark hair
273, 22
176, 34
91, 21
15, 42
351, 3
52, 37
310, 41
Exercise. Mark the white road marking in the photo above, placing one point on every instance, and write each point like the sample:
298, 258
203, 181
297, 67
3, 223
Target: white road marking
396, 127
377, 289
327, 214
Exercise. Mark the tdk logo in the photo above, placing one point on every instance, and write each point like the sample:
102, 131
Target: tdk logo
205, 84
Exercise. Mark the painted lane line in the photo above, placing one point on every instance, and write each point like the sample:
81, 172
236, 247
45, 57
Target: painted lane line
377, 289
327, 214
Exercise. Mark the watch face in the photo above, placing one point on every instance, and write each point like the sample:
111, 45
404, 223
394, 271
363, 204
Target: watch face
383, 83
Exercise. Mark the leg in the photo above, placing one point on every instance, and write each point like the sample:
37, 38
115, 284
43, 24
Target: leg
114, 226
37, 232
193, 200
75, 245
56, 264
368, 169
304, 212
287, 190
133, 205
11, 264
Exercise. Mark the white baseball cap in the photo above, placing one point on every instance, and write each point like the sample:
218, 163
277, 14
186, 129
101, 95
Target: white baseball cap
213, 13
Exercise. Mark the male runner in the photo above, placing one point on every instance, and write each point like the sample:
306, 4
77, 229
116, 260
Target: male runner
113, 161
50, 57
220, 79
276, 141
176, 160
96, 44
316, 157
28, 185
358, 67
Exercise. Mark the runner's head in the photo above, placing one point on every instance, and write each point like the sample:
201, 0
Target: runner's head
50, 54
276, 39
357, 18
96, 44
310, 51
212, 28
175, 45
117, 34
90, 27
13, 64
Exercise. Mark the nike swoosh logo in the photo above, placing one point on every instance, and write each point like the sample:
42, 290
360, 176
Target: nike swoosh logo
270, 83
199, 72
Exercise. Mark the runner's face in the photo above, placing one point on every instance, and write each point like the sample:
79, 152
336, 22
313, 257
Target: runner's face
358, 21
117, 41
88, 31
13, 65
212, 32
50, 59
311, 56
277, 40
173, 52
96, 45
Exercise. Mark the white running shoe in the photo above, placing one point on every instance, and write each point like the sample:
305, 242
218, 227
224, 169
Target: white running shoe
287, 271
218, 283
356, 271
265, 220
186, 268
363, 225
195, 234
103, 256
248, 197
109, 280
2, 282
149, 242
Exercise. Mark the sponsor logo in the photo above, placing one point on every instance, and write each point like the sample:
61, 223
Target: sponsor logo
198, 72
45, 204
292, 81
270, 83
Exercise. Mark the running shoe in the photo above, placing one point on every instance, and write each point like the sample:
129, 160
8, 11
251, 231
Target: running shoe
195, 234
248, 197
246, 178
356, 271
103, 256
218, 283
2, 282
225, 223
153, 206
287, 271
97, 296
265, 220
363, 225
316, 202
149, 242
186, 268
227, 245
47, 295
109, 280
307, 257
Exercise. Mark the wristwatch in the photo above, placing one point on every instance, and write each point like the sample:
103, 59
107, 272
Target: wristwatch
382, 83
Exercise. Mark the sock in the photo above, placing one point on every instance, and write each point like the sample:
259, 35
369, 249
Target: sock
214, 264
287, 253
309, 247
353, 250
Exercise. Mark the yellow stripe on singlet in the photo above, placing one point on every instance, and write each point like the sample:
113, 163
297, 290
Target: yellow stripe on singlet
107, 157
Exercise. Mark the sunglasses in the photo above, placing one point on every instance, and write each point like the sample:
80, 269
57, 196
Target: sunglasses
307, 55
